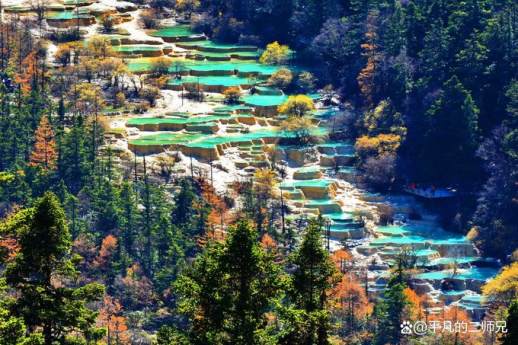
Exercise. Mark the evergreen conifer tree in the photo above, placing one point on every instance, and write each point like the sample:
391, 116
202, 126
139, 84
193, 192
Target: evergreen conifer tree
230, 289
42, 271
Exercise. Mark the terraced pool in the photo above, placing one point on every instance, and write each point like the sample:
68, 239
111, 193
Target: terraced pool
68, 15
264, 100
135, 48
173, 31
211, 46
436, 249
475, 273
166, 139
214, 68
219, 80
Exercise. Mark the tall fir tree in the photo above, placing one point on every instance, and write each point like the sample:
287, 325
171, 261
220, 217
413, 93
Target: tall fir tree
230, 289
313, 275
43, 269
452, 136
390, 314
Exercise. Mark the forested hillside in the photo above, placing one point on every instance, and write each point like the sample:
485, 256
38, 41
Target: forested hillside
241, 172
438, 77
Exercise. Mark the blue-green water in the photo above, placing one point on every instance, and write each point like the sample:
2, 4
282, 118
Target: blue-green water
475, 273
436, 249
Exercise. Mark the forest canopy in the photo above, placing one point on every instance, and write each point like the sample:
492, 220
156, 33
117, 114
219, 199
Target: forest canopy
251, 172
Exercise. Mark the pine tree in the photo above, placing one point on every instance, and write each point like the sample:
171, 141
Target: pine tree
167, 244
167, 335
472, 64
168, 252
44, 153
190, 212
41, 271
184, 200
75, 165
435, 55
452, 136
415, 28
312, 277
130, 219
394, 35
106, 205
230, 289
390, 314
13, 330
496, 219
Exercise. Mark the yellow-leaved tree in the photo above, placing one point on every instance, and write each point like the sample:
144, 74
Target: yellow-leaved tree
366, 77
298, 105
264, 190
300, 127
377, 145
232, 95
265, 182
90, 100
504, 287
349, 303
296, 108
100, 47
281, 79
275, 54
416, 304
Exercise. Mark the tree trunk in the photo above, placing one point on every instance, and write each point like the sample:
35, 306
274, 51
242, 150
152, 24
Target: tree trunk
47, 334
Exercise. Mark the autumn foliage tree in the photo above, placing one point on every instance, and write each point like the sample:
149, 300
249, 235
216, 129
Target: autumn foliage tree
134, 290
44, 154
268, 243
232, 95
341, 258
281, 79
104, 261
377, 145
110, 317
275, 53
219, 214
416, 304
366, 78
263, 189
8, 244
108, 246
187, 6
298, 105
503, 289
29, 72
349, 302
454, 315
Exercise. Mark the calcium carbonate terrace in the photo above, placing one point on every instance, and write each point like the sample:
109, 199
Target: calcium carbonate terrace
68, 15
207, 68
173, 31
210, 46
314, 186
221, 81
